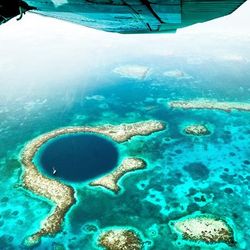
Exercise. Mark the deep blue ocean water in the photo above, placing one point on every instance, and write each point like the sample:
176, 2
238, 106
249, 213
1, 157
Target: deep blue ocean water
77, 158
175, 178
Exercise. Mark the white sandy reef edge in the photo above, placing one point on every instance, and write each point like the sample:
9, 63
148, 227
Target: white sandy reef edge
120, 239
110, 180
204, 228
210, 104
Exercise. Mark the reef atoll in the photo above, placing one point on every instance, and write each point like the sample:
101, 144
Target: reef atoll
120, 239
197, 130
63, 195
210, 104
204, 229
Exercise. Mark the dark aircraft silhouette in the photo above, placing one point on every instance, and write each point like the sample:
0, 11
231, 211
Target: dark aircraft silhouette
124, 16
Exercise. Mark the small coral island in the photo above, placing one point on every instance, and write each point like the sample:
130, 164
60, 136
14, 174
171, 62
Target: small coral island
210, 104
137, 72
204, 229
120, 239
197, 130
63, 196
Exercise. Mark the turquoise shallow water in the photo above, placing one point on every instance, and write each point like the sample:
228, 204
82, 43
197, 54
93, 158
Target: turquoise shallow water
174, 183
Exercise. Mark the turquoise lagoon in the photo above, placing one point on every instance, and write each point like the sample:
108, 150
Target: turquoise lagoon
184, 174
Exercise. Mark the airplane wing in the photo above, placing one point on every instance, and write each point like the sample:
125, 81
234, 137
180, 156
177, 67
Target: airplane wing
134, 16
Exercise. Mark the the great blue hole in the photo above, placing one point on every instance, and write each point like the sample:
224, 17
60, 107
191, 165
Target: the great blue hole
78, 157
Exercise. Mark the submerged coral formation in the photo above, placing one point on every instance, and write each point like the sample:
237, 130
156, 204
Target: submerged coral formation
109, 181
197, 170
197, 130
204, 228
210, 104
120, 239
178, 74
63, 195
137, 72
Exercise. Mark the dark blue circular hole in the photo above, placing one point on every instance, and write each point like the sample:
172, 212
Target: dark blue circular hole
78, 157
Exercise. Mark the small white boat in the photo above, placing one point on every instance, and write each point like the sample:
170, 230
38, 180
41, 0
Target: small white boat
53, 171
